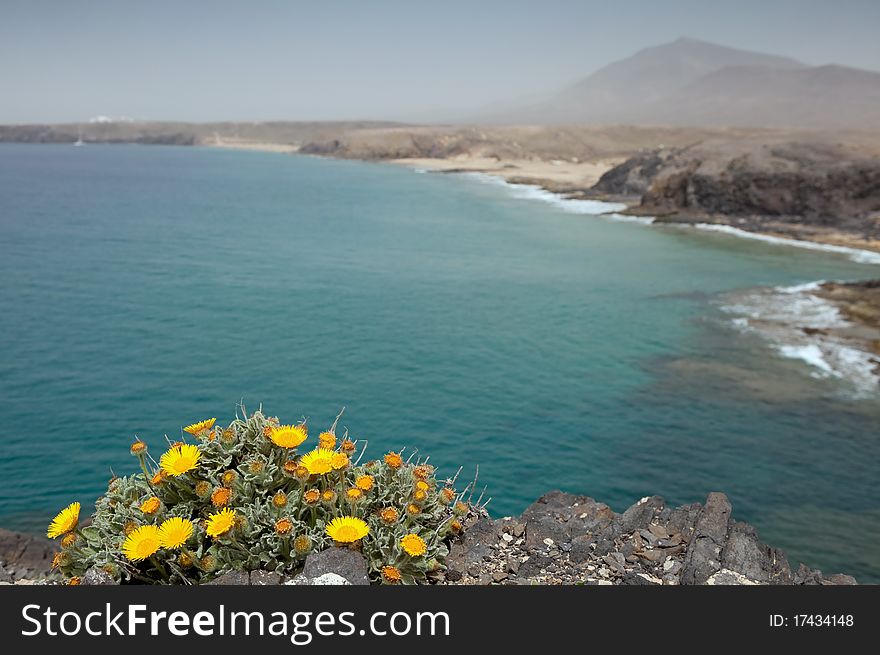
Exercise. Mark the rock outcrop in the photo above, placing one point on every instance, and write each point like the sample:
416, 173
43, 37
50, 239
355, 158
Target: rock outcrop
24, 556
561, 538
567, 539
788, 186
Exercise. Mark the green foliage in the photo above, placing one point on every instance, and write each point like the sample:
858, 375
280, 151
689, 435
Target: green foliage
276, 525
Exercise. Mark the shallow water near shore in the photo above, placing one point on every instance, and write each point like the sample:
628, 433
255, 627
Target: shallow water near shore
148, 287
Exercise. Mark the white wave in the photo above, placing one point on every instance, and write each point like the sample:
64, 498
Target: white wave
626, 218
611, 209
534, 192
856, 254
800, 325
811, 354
801, 288
421, 171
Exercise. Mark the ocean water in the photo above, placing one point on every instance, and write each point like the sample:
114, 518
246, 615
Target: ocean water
144, 288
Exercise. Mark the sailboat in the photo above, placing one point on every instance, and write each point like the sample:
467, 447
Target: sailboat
79, 140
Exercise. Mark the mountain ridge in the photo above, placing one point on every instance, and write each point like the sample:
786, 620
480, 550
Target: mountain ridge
697, 83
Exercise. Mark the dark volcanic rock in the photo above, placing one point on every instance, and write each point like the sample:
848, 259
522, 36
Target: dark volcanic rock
640, 514
25, 556
474, 545
344, 562
703, 557
745, 554
801, 184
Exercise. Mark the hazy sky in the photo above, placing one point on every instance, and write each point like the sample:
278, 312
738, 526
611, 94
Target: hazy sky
74, 59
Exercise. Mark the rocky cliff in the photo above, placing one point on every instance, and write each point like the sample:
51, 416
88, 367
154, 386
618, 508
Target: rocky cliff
560, 539
796, 188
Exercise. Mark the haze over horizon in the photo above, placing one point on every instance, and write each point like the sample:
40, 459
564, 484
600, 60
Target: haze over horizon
388, 61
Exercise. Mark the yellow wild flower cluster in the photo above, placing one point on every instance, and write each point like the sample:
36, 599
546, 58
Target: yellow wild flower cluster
245, 498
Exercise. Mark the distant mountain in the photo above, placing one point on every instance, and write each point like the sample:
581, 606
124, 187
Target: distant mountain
692, 82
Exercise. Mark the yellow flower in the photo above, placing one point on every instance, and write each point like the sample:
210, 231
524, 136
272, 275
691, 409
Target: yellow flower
180, 459
201, 426
279, 499
421, 485
455, 526
141, 543
283, 527
347, 529
68, 540
318, 462
312, 496
228, 478
419, 495
290, 466
460, 508
288, 436
423, 471
175, 532
65, 522
302, 544
203, 488
328, 496
413, 509
60, 559
327, 440
150, 505
221, 497
158, 478
256, 467
75, 581
413, 545
138, 447
391, 574
393, 460
339, 461
364, 482
388, 515
354, 494
347, 446
220, 523
447, 495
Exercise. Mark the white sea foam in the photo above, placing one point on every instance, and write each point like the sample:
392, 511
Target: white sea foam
856, 254
801, 288
534, 192
811, 354
611, 209
625, 218
800, 325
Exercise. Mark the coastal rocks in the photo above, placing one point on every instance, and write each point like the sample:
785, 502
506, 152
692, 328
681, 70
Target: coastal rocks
344, 562
95, 577
703, 556
568, 539
475, 544
798, 189
24, 556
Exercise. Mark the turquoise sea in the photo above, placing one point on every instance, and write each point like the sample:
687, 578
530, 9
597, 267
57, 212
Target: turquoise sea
144, 288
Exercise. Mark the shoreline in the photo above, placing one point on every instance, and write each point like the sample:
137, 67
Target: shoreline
565, 191
560, 539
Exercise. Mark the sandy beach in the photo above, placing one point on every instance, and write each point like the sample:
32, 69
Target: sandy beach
554, 175
242, 144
